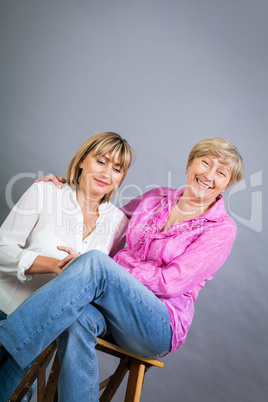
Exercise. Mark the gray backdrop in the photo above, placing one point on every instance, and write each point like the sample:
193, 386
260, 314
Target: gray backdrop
164, 74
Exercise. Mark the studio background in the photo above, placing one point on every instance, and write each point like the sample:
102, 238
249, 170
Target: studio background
163, 74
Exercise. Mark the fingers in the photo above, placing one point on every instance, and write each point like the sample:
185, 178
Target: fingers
48, 178
61, 179
65, 261
54, 180
57, 180
68, 250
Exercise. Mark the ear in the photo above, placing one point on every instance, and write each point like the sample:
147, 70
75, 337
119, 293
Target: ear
228, 185
81, 163
224, 189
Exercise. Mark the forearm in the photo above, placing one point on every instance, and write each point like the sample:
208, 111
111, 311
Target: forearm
44, 265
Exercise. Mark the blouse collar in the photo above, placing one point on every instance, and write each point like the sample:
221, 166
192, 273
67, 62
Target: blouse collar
216, 213
101, 208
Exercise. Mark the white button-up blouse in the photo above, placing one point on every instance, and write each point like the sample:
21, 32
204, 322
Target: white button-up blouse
46, 217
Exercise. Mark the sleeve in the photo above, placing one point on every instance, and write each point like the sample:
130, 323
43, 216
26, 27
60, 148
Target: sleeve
199, 262
15, 259
120, 236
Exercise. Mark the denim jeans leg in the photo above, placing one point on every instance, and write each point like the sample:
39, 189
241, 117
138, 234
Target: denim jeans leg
11, 374
136, 318
77, 354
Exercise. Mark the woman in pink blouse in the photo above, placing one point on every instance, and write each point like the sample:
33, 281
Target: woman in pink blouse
144, 297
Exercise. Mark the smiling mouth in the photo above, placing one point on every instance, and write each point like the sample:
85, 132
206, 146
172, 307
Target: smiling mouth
101, 183
203, 185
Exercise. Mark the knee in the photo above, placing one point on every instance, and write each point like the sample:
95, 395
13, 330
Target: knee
88, 265
85, 259
94, 254
91, 260
90, 256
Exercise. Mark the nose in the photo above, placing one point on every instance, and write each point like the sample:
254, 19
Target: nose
209, 174
106, 170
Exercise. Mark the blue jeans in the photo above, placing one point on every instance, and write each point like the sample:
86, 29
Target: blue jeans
93, 297
12, 374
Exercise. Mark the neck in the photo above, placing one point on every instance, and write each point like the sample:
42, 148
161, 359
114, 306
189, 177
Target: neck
87, 201
190, 206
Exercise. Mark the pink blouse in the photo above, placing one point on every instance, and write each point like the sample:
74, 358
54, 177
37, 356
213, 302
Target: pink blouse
176, 262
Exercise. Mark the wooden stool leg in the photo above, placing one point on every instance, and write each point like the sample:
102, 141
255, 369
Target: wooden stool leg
135, 381
115, 380
137, 366
37, 370
51, 390
41, 383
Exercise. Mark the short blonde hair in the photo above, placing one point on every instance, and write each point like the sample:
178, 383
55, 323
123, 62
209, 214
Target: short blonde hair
223, 150
99, 145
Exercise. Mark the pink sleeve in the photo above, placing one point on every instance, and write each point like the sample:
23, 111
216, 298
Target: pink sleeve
201, 259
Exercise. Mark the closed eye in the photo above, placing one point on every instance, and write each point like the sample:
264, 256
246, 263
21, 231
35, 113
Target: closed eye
222, 174
117, 169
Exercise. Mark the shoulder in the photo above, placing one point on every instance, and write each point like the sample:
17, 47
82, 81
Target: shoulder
48, 193
228, 225
217, 213
217, 224
227, 220
160, 193
222, 231
50, 188
42, 186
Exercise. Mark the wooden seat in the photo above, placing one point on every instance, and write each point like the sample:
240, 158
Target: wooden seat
47, 391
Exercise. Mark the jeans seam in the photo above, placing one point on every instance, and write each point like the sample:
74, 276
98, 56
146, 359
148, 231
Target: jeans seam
91, 371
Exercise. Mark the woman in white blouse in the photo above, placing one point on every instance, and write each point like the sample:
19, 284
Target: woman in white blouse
48, 227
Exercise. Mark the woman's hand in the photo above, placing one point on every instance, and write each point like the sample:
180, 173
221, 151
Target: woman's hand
44, 265
67, 260
57, 180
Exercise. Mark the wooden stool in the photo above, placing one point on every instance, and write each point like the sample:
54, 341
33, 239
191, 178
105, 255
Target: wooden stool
47, 392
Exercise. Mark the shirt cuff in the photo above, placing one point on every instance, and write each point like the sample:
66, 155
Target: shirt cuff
25, 263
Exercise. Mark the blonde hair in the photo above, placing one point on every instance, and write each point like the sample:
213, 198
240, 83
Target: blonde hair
99, 145
223, 150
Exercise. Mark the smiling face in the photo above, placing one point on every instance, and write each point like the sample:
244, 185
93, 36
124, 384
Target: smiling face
207, 178
100, 174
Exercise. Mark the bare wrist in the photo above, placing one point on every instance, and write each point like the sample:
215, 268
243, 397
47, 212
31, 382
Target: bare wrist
54, 268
